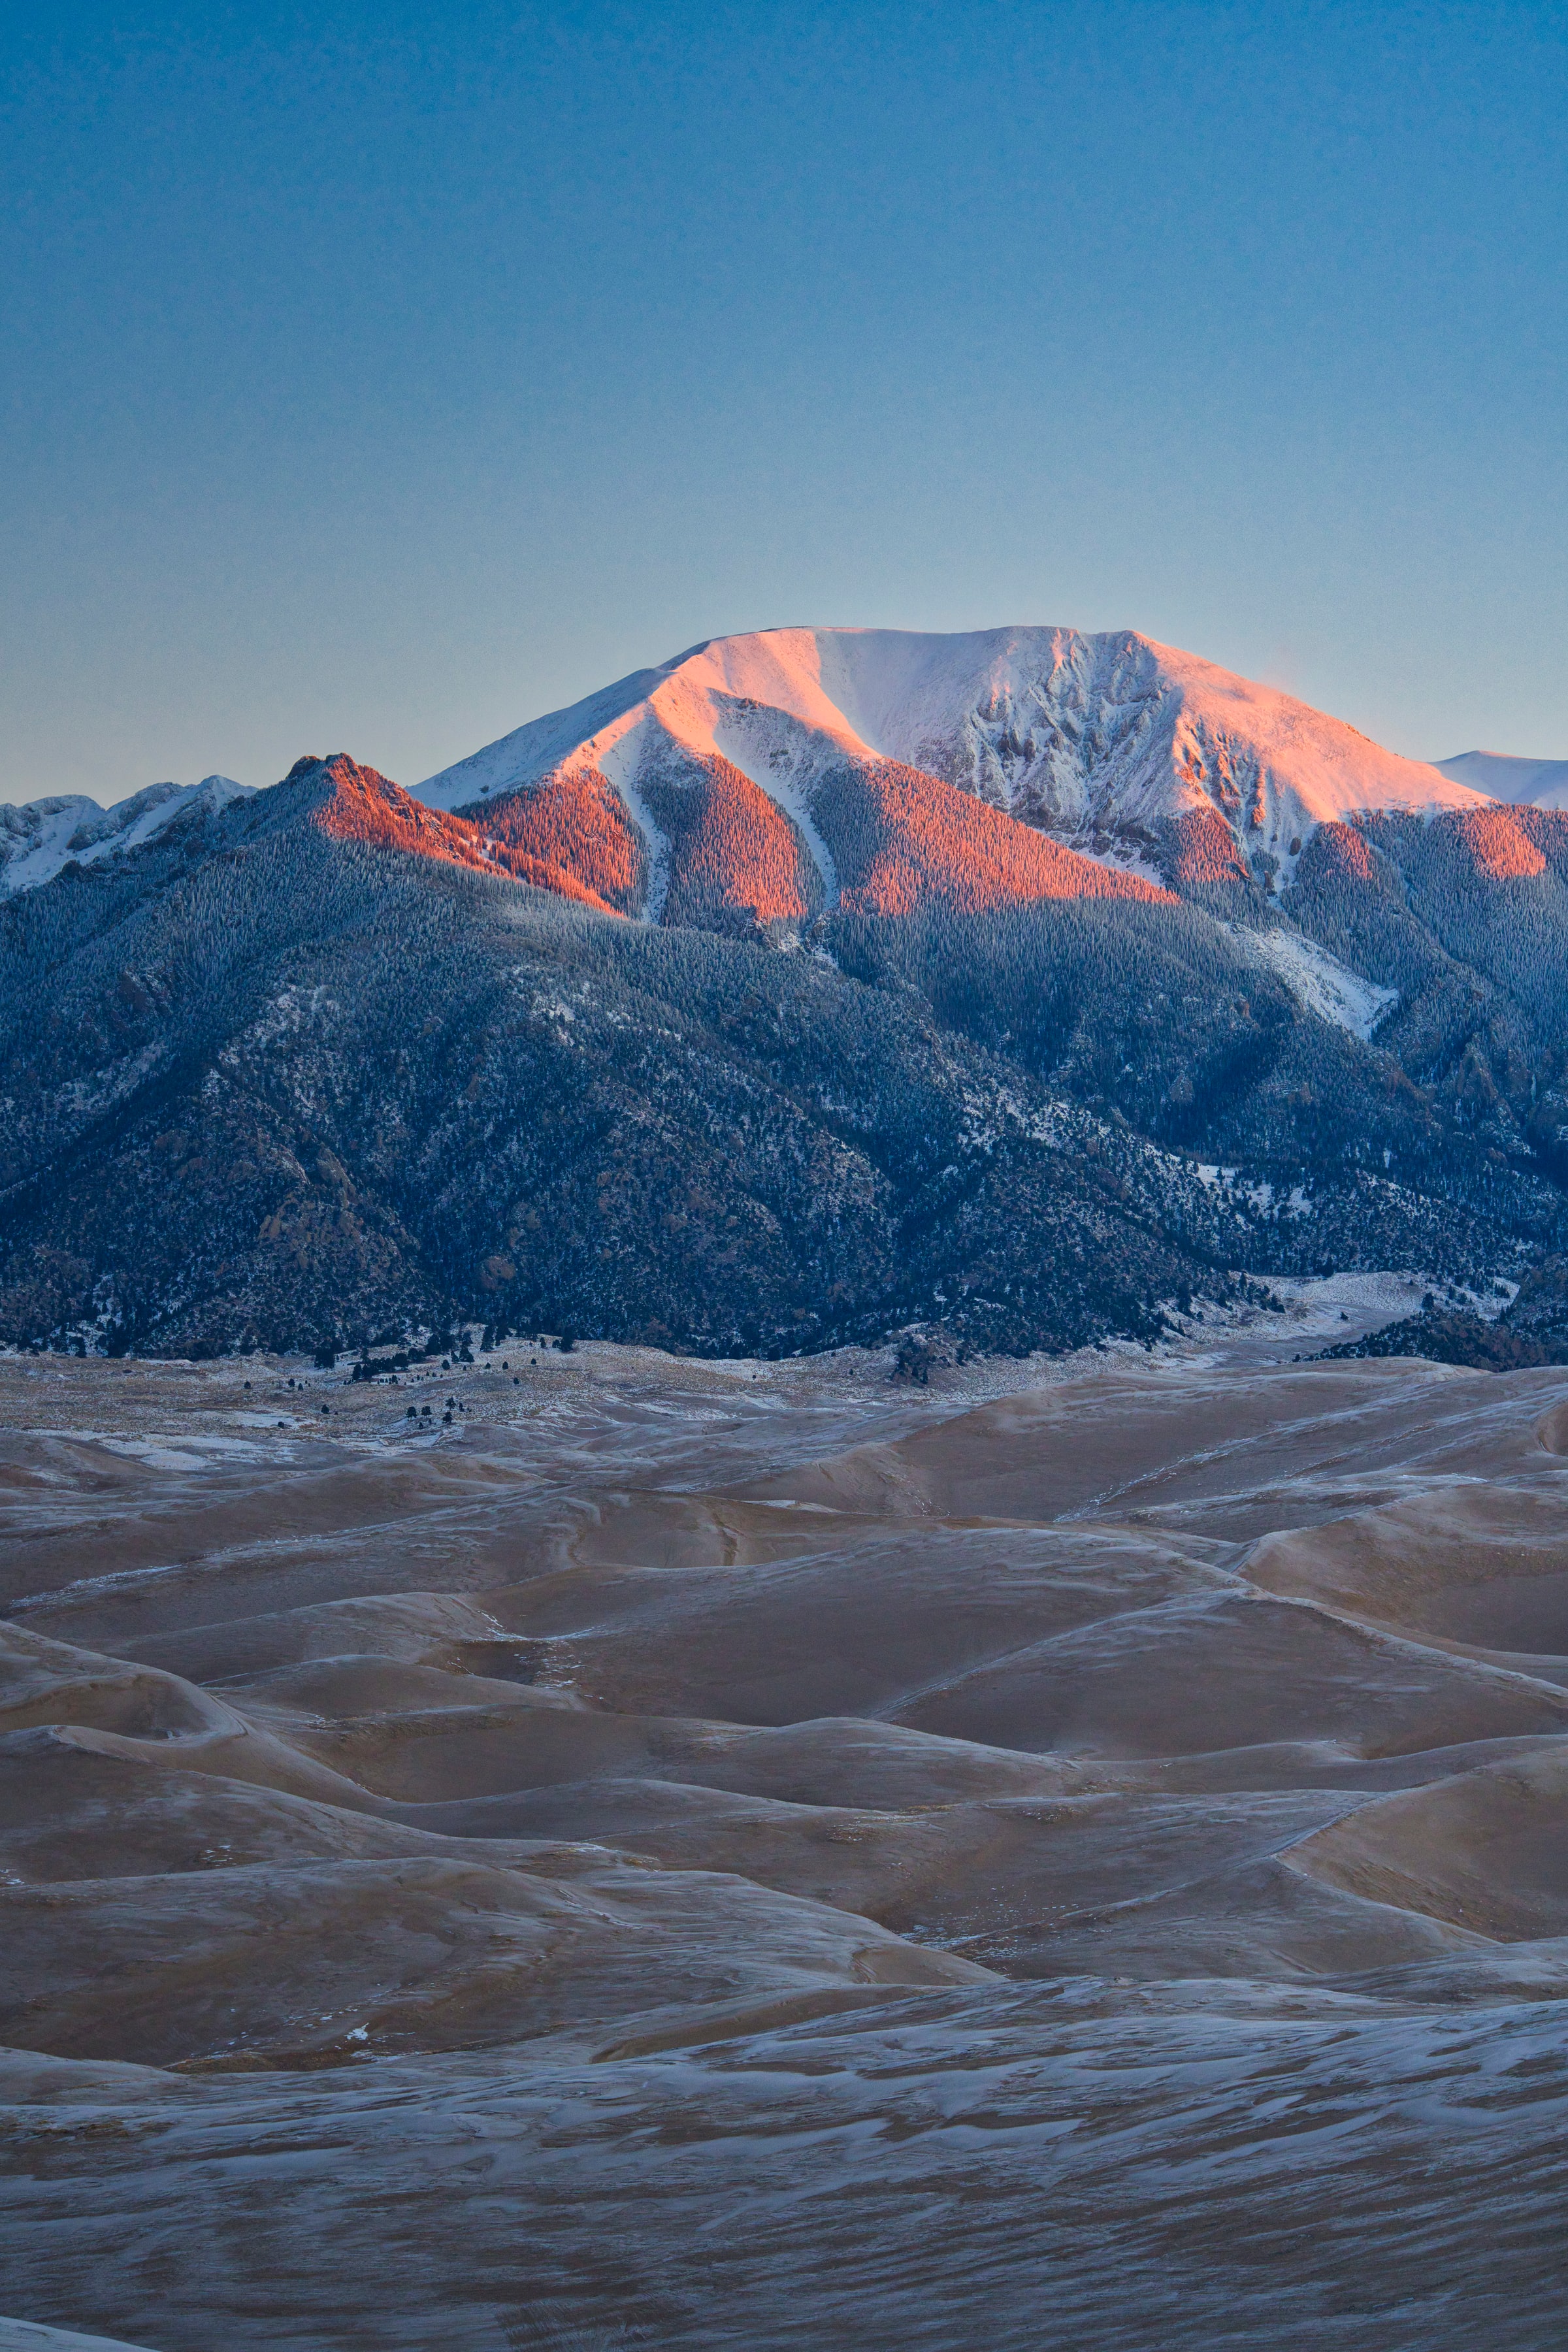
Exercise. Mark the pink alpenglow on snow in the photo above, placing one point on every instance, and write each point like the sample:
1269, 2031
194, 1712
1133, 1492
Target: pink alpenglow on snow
1145, 759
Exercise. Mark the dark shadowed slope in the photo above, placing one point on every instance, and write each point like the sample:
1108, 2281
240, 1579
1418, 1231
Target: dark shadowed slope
323, 1065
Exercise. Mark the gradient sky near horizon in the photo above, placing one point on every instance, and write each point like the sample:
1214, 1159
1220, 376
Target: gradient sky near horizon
378, 378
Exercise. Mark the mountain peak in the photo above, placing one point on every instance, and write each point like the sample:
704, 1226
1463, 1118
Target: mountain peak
40, 837
1503, 776
351, 804
1121, 749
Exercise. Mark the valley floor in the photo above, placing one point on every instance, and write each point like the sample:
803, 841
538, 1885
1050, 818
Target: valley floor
720, 1855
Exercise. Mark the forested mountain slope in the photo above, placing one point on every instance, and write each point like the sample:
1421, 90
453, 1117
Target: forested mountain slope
320, 1064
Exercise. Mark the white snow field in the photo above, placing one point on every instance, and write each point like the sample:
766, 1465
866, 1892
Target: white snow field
1316, 979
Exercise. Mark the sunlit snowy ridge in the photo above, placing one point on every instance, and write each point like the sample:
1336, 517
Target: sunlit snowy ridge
1150, 760
1104, 741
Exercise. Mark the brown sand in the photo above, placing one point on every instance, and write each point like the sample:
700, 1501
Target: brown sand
748, 1856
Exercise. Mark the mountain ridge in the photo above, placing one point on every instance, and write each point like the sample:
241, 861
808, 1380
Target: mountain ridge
330, 1063
1135, 754
38, 839
651, 1049
1146, 759
1503, 776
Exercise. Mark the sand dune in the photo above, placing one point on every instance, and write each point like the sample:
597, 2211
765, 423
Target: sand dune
1486, 1852
780, 1862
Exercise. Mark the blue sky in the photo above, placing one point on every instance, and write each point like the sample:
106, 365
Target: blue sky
375, 379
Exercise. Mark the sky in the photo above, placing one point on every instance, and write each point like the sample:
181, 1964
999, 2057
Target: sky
377, 378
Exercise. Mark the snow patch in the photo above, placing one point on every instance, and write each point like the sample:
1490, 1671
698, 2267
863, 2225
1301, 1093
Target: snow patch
1118, 857
619, 760
1316, 979
760, 746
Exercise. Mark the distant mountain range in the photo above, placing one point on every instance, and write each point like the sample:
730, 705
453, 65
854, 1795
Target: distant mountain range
1019, 987
1142, 758
1537, 784
40, 837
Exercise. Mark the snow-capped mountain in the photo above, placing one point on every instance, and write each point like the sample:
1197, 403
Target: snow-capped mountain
1129, 751
39, 838
326, 1059
785, 773
1533, 783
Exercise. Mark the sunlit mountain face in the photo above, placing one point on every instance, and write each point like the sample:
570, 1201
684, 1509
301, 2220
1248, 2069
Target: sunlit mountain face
789, 772
1149, 761
817, 986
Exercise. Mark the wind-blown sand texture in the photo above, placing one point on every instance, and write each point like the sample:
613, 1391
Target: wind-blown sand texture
746, 1856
